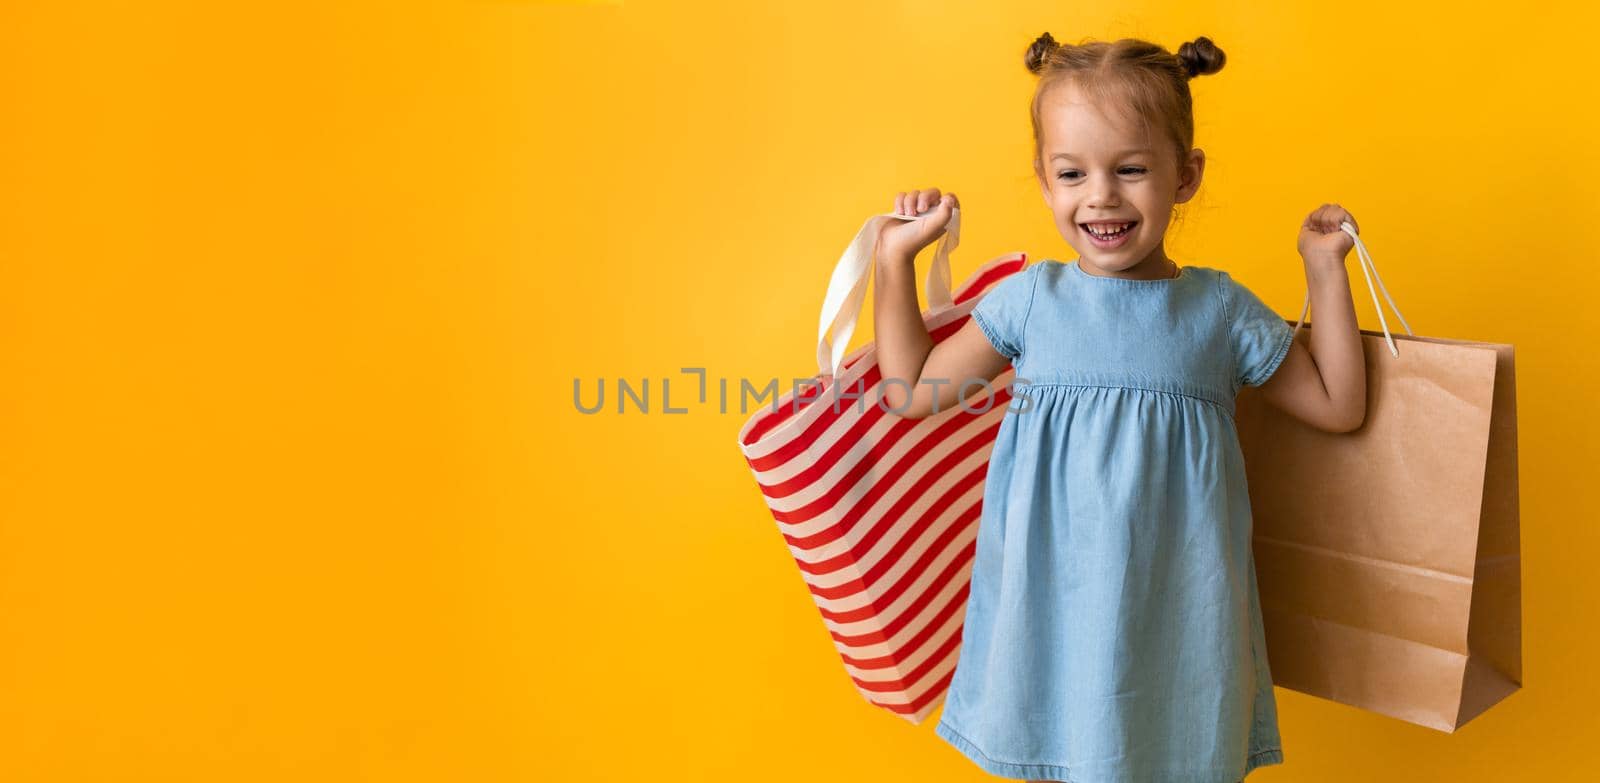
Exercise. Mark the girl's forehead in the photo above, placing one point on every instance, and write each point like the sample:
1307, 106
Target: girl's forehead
1069, 105
1074, 124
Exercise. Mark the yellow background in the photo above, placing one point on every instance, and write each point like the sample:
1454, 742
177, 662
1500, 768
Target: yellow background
292, 298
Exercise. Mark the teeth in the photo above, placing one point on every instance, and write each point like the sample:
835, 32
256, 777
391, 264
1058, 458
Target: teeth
1107, 230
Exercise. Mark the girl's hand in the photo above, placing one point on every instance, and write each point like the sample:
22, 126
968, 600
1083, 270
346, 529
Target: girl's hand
903, 239
1321, 239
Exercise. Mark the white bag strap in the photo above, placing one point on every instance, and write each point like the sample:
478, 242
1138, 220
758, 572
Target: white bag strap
1366, 264
848, 286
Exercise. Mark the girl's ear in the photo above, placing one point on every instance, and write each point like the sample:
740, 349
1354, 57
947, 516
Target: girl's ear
1190, 174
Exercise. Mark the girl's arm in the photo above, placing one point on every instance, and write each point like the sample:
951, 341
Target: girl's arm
932, 374
1325, 384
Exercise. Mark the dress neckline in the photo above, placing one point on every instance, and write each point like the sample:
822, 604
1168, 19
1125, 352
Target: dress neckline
1183, 271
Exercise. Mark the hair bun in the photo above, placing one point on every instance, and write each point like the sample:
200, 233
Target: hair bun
1200, 57
1038, 52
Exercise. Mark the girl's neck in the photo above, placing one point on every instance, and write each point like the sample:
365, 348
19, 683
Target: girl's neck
1155, 266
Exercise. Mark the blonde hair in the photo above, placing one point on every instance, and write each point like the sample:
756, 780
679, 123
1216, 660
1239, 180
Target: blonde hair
1140, 80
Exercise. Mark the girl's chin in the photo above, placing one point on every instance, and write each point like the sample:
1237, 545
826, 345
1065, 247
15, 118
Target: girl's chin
1123, 251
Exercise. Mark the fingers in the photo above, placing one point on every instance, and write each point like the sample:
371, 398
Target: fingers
1326, 219
1324, 215
906, 203
916, 202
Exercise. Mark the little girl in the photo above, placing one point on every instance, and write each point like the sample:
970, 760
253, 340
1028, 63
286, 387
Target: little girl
1113, 632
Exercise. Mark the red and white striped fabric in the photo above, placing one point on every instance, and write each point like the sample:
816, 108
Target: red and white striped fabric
881, 512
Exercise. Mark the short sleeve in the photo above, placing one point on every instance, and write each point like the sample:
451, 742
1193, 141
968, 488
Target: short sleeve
1259, 336
1002, 312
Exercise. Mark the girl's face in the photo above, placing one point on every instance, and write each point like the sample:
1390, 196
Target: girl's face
1102, 172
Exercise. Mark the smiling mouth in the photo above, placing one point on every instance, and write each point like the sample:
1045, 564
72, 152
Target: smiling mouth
1107, 231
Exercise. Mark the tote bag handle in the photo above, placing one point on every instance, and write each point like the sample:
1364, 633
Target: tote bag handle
1366, 263
848, 286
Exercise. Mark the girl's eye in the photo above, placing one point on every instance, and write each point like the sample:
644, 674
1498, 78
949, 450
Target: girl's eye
1070, 174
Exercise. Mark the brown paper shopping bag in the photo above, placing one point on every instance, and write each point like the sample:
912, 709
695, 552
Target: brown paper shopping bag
1388, 558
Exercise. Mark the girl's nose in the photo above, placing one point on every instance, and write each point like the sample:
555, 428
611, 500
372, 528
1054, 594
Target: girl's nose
1104, 194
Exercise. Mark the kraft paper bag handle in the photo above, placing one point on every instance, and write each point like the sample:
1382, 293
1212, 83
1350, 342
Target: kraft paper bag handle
1366, 262
848, 286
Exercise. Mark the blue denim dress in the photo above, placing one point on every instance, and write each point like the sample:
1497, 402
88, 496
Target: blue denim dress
1113, 632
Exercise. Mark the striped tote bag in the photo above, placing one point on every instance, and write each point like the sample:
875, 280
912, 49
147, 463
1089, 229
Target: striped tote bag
881, 512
